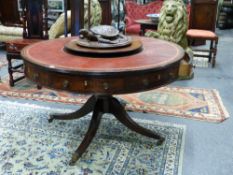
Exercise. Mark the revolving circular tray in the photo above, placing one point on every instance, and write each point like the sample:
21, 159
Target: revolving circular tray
134, 47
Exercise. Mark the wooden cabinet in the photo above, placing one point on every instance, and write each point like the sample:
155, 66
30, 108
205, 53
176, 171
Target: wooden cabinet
225, 19
9, 14
203, 14
106, 11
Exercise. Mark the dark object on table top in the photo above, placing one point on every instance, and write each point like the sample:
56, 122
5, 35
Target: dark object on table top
102, 37
88, 35
106, 31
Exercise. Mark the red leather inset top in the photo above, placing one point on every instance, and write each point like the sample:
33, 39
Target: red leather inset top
50, 54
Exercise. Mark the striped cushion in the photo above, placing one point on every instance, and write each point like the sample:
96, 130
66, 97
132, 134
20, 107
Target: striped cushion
14, 31
10, 33
5, 38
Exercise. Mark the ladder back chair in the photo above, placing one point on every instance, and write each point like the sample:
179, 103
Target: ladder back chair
35, 28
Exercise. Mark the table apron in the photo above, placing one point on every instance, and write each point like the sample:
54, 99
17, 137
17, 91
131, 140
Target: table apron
97, 84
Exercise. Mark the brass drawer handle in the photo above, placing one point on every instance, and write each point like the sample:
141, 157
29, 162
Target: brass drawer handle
66, 84
145, 82
35, 77
85, 83
106, 86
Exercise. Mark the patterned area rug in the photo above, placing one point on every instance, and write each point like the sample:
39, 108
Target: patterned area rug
185, 102
31, 145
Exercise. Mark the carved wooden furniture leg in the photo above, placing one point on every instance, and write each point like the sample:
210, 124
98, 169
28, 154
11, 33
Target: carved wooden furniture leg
14, 68
211, 51
84, 110
119, 112
215, 52
101, 104
94, 124
11, 82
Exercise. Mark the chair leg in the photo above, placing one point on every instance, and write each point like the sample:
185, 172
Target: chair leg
14, 68
10, 72
214, 53
190, 41
211, 51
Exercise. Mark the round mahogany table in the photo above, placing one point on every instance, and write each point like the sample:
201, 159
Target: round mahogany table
48, 64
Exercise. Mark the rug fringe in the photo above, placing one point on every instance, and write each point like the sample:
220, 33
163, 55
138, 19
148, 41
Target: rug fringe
34, 106
226, 113
181, 158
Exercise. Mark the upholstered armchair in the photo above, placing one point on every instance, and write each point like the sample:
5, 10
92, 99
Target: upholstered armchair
134, 11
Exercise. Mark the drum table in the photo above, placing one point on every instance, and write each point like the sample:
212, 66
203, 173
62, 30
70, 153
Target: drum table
48, 64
